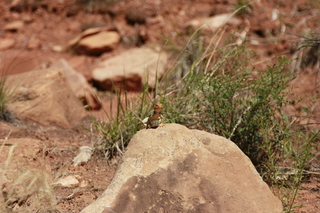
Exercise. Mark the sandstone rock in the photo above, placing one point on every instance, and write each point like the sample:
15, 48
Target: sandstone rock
14, 26
15, 3
173, 169
95, 41
99, 43
130, 70
88, 32
212, 23
57, 48
78, 84
43, 96
68, 181
6, 43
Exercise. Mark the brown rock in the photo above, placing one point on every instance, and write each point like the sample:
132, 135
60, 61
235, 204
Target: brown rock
88, 32
99, 43
174, 169
14, 26
130, 70
6, 43
95, 41
43, 96
78, 84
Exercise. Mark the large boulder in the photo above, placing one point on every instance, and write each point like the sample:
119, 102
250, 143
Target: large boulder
43, 96
130, 70
174, 169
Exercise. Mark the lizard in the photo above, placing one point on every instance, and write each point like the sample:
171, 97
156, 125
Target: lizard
155, 120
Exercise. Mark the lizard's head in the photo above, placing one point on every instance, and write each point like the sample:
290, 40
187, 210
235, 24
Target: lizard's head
157, 107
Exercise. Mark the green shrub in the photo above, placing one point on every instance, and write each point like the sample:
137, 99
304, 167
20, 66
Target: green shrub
116, 133
218, 90
222, 93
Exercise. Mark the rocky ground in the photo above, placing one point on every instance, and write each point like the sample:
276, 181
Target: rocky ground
36, 34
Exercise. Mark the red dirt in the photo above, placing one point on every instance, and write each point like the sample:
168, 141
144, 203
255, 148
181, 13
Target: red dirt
48, 24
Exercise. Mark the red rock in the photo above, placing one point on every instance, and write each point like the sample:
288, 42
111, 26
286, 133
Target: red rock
99, 43
14, 26
6, 43
174, 169
130, 70
43, 96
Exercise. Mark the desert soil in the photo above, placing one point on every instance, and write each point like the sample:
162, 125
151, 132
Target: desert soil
49, 25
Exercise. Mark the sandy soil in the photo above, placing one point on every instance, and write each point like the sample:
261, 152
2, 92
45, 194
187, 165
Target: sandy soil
49, 25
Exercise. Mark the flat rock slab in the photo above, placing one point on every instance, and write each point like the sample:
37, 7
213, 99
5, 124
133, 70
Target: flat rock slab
130, 70
99, 43
174, 169
95, 41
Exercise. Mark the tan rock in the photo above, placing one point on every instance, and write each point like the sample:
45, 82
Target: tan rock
88, 32
68, 181
174, 169
57, 48
15, 3
6, 43
210, 24
99, 43
79, 84
130, 70
44, 96
95, 40
14, 26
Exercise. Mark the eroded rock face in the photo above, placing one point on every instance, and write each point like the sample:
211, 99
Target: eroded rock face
44, 96
174, 169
